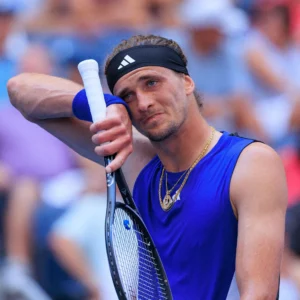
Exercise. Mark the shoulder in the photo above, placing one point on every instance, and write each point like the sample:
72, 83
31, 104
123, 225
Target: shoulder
234, 144
259, 176
258, 160
258, 155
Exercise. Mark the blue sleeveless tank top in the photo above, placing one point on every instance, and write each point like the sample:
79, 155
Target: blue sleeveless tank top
197, 237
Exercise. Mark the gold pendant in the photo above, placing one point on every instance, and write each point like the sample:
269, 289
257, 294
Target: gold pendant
167, 202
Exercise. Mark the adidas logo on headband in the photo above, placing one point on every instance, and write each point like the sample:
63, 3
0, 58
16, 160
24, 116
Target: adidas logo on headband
126, 61
141, 56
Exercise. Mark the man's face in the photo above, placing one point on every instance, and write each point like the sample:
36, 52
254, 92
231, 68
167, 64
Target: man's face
157, 100
207, 39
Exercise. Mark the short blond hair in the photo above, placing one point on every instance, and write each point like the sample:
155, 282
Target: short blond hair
141, 40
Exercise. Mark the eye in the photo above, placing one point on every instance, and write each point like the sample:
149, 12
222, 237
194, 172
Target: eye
151, 83
127, 97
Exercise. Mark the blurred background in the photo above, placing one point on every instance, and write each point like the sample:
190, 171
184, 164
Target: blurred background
244, 56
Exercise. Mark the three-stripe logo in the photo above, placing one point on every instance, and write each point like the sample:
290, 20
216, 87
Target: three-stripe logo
126, 61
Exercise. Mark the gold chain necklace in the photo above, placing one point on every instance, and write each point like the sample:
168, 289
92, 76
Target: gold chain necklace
168, 201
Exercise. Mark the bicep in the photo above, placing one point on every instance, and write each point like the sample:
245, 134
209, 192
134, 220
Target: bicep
259, 192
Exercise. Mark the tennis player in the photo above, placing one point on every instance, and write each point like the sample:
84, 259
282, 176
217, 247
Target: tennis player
213, 202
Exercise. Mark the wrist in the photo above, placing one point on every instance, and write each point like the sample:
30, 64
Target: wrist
120, 112
81, 109
117, 109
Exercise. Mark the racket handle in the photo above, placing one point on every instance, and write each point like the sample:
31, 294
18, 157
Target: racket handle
89, 71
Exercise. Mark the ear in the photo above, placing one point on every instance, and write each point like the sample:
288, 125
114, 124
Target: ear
189, 85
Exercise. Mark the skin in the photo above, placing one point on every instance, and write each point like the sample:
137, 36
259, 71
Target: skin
166, 118
68, 251
73, 259
164, 109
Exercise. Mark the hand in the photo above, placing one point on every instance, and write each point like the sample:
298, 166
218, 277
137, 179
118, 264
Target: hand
113, 136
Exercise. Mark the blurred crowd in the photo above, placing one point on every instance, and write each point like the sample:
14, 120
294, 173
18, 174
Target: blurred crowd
244, 56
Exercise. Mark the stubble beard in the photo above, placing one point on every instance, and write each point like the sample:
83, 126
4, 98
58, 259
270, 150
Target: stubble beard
162, 135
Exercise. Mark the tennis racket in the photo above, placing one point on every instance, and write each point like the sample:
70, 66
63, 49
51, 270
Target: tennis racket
135, 266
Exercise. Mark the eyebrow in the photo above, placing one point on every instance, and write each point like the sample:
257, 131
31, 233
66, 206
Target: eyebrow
142, 78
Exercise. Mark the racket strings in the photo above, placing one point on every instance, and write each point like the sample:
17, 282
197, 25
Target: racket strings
139, 273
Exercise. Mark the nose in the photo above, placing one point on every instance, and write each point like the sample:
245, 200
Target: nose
144, 100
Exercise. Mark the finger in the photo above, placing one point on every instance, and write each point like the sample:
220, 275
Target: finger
110, 135
105, 124
118, 161
114, 146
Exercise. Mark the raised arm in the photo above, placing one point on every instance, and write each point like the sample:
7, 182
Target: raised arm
259, 192
47, 101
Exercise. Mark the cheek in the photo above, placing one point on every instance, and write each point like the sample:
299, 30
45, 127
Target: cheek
178, 97
133, 111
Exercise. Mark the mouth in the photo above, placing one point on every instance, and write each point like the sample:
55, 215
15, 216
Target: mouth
151, 118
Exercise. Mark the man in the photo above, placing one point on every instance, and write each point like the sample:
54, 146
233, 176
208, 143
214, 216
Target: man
77, 237
270, 55
213, 203
29, 170
215, 35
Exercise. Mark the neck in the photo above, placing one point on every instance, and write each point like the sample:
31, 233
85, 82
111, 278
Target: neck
179, 151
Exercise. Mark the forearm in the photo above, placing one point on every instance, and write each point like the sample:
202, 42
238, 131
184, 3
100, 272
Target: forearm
39, 96
259, 66
258, 287
47, 101
72, 258
262, 294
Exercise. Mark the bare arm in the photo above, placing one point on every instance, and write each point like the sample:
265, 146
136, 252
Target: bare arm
259, 66
259, 192
73, 259
47, 101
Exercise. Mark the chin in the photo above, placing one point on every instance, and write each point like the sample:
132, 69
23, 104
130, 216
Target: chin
160, 132
161, 135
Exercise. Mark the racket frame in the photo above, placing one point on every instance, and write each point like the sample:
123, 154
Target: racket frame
118, 178
89, 71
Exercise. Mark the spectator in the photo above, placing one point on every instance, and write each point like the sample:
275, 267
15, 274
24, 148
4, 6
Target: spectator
31, 157
163, 14
58, 196
79, 28
87, 16
217, 68
78, 237
273, 63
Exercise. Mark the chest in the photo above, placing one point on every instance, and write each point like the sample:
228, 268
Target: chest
199, 211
